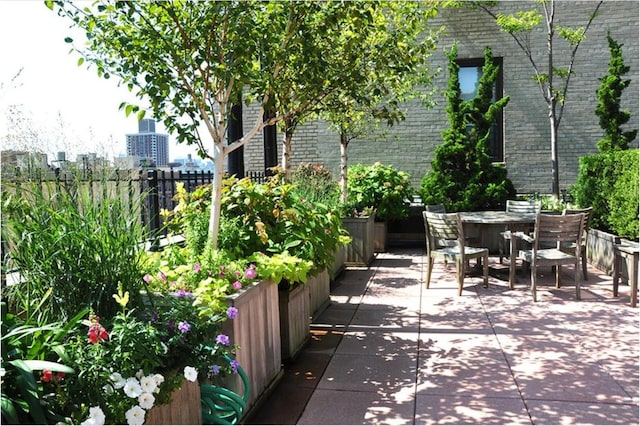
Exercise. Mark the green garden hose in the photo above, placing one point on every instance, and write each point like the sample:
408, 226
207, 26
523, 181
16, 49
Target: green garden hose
222, 406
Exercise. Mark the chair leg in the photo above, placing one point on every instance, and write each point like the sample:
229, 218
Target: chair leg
577, 279
460, 274
429, 269
533, 282
485, 270
584, 267
558, 272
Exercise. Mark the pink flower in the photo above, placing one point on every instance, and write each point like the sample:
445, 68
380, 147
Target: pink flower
147, 278
97, 333
250, 272
162, 276
196, 268
237, 285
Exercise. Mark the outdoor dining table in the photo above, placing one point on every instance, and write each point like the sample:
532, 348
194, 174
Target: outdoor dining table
487, 219
491, 223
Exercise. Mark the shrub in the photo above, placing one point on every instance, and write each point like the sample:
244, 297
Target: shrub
269, 217
462, 176
608, 182
381, 187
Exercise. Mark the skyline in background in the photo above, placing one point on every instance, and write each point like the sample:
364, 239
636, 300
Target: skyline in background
68, 107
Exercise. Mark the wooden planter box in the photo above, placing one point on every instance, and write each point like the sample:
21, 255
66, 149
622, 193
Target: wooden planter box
600, 250
339, 262
295, 320
256, 331
360, 251
319, 289
184, 408
380, 239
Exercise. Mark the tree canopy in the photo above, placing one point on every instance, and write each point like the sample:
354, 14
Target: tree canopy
192, 60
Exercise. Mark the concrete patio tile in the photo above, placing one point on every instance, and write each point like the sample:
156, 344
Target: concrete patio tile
380, 343
559, 370
323, 341
398, 288
463, 364
335, 316
460, 410
279, 406
560, 412
384, 319
328, 407
384, 374
400, 305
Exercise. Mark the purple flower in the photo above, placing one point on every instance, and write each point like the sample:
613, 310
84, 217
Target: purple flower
250, 272
234, 365
155, 316
223, 339
184, 326
232, 312
196, 268
237, 285
162, 276
183, 293
215, 369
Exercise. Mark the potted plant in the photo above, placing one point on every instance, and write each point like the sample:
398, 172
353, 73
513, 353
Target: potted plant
126, 344
383, 188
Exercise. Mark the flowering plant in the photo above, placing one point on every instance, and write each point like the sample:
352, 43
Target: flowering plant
133, 362
381, 187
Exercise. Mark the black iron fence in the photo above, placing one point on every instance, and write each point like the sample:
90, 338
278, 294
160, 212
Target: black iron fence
157, 188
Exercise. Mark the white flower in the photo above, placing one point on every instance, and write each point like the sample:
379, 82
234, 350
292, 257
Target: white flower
190, 373
96, 417
146, 400
107, 389
139, 374
132, 388
135, 415
118, 380
148, 384
159, 378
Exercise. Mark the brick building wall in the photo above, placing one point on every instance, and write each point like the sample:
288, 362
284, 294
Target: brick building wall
410, 145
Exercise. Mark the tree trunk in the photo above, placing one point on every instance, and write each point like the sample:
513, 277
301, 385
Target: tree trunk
286, 150
216, 194
344, 142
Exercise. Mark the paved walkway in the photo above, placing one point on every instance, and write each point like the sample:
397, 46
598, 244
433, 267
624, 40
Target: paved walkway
389, 351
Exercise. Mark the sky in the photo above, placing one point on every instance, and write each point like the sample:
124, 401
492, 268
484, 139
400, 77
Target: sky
69, 106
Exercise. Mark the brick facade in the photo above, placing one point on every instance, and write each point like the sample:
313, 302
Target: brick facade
410, 145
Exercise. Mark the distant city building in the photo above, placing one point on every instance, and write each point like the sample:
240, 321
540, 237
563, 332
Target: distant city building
149, 144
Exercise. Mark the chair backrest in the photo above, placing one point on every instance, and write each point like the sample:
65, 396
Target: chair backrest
558, 229
435, 208
519, 206
443, 230
587, 218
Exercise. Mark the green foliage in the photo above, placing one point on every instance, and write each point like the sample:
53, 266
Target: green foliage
29, 350
314, 183
270, 217
282, 267
381, 187
78, 243
462, 176
611, 118
624, 197
609, 183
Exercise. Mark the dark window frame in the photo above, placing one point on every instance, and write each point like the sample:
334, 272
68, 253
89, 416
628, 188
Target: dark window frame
496, 146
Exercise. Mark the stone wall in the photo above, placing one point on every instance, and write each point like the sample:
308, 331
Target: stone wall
410, 145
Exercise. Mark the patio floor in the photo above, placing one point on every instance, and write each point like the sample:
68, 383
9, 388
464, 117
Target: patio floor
389, 351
